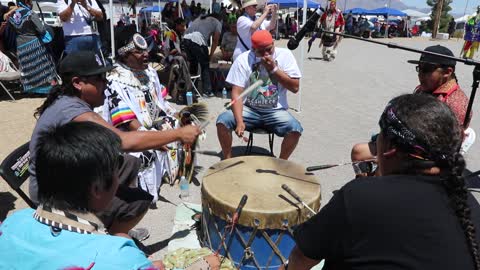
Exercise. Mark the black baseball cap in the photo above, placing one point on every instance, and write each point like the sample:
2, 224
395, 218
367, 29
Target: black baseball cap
83, 63
433, 59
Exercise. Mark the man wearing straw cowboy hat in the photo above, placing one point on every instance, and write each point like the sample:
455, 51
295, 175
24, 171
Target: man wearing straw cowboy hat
249, 23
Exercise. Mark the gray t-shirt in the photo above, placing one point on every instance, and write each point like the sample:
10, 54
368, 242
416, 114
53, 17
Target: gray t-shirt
62, 111
206, 27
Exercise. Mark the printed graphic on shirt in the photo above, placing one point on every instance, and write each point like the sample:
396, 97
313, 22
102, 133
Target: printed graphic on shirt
266, 95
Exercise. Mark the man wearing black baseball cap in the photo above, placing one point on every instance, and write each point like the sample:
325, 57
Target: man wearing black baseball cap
437, 77
83, 84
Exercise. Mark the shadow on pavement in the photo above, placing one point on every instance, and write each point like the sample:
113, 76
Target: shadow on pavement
7, 203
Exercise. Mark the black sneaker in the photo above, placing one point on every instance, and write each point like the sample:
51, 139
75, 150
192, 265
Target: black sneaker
139, 234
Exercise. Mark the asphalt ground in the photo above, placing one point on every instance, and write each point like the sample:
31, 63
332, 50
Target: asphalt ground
339, 105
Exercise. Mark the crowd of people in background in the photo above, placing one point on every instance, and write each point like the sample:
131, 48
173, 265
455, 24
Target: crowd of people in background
184, 41
375, 28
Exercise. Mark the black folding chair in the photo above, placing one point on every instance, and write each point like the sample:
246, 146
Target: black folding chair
14, 170
271, 137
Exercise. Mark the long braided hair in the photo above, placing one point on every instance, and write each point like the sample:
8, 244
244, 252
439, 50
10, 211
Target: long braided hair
428, 133
64, 89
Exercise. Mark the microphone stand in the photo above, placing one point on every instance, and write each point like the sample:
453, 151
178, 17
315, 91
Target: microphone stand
476, 64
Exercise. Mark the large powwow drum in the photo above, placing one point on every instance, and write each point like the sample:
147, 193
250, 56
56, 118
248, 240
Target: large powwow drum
261, 238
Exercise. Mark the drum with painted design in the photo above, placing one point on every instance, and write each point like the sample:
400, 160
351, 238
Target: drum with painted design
262, 238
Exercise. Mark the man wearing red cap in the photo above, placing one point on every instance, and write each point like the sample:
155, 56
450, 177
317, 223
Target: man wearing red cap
266, 106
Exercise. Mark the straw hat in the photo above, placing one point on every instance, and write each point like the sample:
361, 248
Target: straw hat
247, 3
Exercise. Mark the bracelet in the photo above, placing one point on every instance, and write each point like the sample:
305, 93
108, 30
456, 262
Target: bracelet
274, 70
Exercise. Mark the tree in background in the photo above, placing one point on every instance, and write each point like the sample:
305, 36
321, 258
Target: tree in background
444, 17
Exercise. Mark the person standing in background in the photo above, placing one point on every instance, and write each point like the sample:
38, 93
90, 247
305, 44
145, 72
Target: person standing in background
248, 23
80, 29
196, 42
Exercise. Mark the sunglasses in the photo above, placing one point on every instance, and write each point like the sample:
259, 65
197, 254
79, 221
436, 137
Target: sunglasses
262, 51
139, 51
427, 68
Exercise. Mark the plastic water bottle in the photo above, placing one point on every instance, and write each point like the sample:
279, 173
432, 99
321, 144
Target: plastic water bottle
224, 93
189, 98
184, 188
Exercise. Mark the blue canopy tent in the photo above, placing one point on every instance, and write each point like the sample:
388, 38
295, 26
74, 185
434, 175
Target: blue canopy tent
386, 11
294, 3
151, 9
357, 11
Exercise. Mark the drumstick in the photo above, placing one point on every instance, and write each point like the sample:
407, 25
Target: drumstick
202, 152
224, 109
294, 195
328, 166
240, 206
235, 218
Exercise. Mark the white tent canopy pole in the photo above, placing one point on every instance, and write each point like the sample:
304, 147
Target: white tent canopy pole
302, 55
112, 37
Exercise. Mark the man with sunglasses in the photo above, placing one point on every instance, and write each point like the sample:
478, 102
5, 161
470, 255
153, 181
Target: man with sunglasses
265, 107
134, 101
437, 77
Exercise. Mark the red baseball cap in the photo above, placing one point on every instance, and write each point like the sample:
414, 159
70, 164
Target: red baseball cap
261, 38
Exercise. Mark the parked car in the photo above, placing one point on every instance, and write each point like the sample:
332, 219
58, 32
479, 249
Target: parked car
51, 18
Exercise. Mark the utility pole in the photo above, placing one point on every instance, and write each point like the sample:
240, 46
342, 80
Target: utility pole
438, 14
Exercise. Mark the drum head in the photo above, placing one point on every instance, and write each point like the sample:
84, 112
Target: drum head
261, 179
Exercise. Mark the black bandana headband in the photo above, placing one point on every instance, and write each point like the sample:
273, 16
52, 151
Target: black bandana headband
397, 131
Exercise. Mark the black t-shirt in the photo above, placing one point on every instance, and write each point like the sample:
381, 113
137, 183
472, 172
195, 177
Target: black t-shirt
391, 222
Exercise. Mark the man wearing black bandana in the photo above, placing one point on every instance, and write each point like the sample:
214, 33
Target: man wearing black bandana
417, 214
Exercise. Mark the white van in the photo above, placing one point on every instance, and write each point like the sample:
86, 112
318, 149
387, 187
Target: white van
51, 18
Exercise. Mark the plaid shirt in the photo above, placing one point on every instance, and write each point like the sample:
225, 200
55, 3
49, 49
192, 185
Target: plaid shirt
454, 97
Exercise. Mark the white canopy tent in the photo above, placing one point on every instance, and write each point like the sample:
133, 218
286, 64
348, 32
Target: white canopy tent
464, 18
415, 13
423, 19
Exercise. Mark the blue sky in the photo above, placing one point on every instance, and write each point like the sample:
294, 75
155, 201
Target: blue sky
457, 5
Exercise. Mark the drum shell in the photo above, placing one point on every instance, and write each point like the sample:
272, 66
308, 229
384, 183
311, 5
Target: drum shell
273, 208
213, 228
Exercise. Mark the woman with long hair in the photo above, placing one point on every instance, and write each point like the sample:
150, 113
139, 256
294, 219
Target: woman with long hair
417, 214
84, 81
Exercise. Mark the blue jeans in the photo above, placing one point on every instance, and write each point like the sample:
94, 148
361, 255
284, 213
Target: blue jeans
280, 122
83, 43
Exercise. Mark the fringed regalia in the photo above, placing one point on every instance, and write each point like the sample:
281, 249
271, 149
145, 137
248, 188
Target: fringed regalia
471, 37
36, 65
137, 95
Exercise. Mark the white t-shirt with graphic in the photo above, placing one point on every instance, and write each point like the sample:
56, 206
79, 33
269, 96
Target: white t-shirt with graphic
247, 69
81, 20
244, 23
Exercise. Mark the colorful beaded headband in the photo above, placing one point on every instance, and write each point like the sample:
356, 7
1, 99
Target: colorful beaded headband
138, 42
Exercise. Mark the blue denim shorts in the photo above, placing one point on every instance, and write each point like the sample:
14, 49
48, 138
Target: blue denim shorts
279, 122
83, 43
